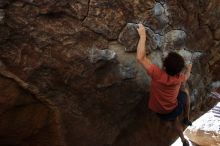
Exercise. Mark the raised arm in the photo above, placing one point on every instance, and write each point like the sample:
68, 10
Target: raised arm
188, 70
141, 50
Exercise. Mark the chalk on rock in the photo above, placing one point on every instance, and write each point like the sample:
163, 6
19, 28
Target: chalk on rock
97, 54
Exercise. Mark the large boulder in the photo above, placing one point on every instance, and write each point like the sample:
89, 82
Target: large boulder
105, 18
67, 77
205, 130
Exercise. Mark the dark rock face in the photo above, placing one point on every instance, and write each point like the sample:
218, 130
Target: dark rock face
66, 76
129, 37
106, 18
25, 119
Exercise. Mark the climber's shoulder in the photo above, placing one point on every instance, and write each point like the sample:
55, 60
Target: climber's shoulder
154, 70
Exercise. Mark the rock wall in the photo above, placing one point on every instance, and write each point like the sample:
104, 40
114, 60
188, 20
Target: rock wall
69, 75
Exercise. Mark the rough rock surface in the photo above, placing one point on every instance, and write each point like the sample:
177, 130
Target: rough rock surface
67, 79
206, 129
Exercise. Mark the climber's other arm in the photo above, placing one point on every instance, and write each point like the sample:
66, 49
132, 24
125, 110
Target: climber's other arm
141, 50
188, 70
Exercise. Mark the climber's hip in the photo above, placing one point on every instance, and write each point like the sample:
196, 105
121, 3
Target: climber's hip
178, 110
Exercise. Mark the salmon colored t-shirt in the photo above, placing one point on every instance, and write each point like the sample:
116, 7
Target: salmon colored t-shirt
164, 90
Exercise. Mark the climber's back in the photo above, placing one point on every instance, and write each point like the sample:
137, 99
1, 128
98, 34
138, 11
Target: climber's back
164, 89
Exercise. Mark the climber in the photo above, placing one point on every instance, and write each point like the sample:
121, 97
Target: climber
166, 97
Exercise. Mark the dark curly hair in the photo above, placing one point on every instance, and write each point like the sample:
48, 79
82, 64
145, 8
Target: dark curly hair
173, 63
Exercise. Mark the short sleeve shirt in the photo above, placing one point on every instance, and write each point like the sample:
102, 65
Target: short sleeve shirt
164, 90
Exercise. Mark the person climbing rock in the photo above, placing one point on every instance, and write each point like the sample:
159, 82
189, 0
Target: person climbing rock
166, 97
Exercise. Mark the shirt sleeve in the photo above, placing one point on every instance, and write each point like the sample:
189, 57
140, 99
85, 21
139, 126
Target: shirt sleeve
153, 71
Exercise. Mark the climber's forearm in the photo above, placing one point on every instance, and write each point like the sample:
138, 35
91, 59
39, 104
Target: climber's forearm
188, 70
141, 50
141, 53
